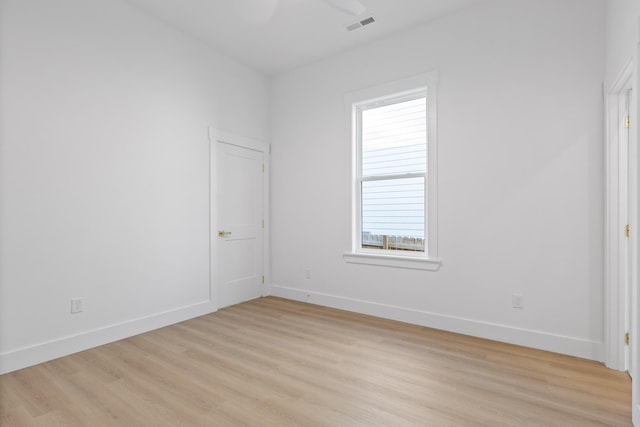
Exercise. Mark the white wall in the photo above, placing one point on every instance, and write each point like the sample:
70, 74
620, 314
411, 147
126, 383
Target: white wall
520, 176
104, 171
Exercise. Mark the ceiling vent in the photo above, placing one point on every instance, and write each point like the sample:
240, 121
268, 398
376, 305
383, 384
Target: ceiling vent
360, 24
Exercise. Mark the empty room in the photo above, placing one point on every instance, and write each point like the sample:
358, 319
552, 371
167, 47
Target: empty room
319, 213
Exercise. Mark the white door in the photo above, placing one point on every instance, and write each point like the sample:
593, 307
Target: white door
239, 231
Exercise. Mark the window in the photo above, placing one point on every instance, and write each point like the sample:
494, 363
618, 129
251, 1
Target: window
393, 164
392, 140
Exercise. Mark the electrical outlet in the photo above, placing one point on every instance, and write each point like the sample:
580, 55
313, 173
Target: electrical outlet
517, 300
307, 274
77, 305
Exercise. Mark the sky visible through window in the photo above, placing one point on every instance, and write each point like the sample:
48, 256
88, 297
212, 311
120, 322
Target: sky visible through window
394, 165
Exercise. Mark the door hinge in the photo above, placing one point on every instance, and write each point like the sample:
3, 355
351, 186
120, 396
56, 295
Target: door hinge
627, 338
263, 223
263, 280
627, 230
628, 122
263, 167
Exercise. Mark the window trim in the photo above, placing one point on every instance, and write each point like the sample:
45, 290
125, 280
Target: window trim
379, 95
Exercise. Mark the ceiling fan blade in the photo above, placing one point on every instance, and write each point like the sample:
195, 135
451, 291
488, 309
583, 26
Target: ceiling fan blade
352, 7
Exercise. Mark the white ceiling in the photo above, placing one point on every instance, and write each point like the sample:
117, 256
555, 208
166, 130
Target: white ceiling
274, 36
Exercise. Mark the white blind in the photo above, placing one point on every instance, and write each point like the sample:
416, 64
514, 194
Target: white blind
393, 167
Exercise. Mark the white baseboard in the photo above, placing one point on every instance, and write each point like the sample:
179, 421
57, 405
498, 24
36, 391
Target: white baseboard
636, 415
43, 352
525, 337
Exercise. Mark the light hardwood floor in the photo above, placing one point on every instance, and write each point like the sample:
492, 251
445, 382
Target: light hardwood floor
273, 362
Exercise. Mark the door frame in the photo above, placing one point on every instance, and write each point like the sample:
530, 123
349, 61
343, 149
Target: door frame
621, 206
215, 136
634, 113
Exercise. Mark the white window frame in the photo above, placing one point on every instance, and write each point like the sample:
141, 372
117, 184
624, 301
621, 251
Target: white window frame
390, 93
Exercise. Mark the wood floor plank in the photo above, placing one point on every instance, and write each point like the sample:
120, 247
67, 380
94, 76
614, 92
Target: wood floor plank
17, 416
275, 362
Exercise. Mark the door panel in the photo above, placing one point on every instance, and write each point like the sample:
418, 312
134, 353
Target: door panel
239, 233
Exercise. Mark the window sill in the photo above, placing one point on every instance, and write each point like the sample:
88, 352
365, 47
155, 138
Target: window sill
413, 263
